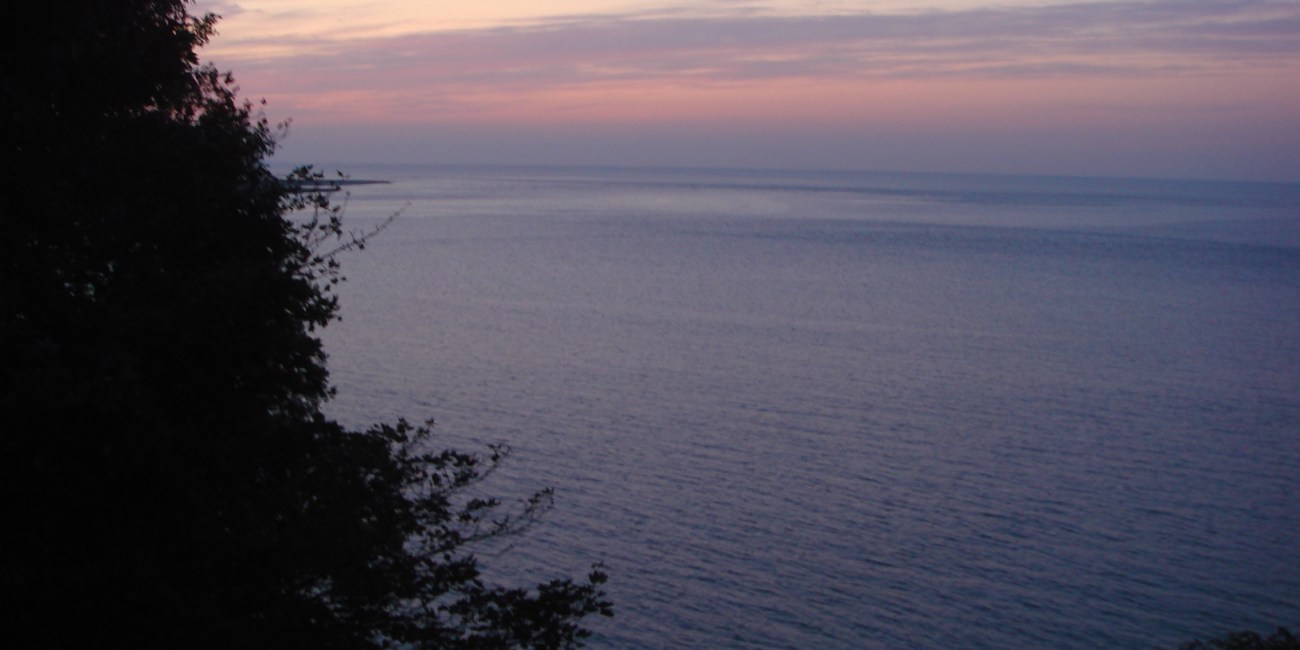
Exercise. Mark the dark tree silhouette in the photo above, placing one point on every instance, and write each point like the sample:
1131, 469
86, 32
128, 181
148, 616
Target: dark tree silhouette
1282, 639
169, 477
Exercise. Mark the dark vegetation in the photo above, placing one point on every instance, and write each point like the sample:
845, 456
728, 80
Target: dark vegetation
1282, 639
169, 477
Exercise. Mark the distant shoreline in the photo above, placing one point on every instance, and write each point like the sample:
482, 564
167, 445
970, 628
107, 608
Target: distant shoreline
334, 185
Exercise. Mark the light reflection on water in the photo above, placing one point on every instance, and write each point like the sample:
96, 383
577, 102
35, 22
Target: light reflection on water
857, 411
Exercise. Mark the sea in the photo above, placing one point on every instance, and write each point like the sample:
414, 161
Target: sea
811, 409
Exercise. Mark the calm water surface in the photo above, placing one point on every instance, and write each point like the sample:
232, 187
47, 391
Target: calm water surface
797, 410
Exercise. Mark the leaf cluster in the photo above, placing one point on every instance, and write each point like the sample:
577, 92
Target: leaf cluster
1282, 639
170, 478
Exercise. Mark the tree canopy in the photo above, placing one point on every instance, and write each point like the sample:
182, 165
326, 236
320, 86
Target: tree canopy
171, 479
1282, 639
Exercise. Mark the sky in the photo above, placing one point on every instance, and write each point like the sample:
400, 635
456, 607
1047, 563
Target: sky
1154, 88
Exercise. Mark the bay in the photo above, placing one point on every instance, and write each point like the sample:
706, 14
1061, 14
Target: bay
845, 410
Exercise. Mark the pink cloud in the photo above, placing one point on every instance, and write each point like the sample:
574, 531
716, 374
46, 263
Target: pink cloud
1130, 70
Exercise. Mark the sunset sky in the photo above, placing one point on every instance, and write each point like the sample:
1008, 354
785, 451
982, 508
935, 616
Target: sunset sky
1164, 88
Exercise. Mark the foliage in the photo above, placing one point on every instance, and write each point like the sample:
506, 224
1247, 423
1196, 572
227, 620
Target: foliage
1279, 640
170, 477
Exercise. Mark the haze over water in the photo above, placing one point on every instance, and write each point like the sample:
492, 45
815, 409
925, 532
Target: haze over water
843, 410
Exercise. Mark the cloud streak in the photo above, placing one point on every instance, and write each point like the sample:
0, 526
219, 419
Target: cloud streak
1133, 38
1166, 80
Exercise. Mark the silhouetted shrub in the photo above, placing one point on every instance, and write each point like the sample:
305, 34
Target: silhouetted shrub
170, 479
1279, 640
